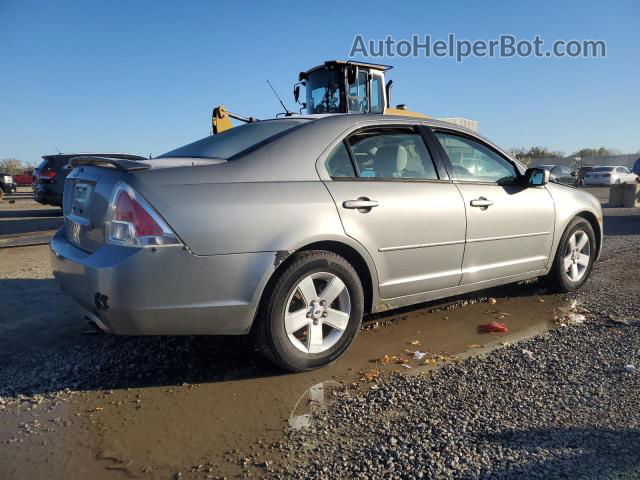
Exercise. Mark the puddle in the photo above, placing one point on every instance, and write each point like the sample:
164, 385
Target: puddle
205, 428
317, 397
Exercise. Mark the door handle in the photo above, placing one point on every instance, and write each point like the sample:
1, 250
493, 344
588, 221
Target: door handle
481, 202
362, 204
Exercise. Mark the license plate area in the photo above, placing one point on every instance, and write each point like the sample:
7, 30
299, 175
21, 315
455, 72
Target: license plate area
77, 218
81, 199
74, 231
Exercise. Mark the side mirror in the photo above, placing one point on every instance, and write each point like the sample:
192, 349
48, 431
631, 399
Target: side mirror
296, 93
536, 177
573, 173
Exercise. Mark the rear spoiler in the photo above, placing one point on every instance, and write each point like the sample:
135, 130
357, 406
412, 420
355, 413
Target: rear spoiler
128, 163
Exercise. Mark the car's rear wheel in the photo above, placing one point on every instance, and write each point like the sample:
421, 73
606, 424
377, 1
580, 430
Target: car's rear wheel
312, 311
574, 257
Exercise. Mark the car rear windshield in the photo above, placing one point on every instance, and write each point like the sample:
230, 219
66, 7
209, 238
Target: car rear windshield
236, 140
603, 169
53, 163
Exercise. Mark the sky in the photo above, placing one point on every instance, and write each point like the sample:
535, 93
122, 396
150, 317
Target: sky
142, 77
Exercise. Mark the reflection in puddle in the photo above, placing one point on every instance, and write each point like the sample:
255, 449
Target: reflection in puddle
318, 397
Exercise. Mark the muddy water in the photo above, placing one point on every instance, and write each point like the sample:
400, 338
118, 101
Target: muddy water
155, 432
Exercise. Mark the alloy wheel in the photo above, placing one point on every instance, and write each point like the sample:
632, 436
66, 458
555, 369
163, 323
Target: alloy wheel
317, 312
577, 255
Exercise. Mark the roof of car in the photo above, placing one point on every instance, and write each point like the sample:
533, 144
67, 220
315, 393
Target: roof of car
343, 121
352, 118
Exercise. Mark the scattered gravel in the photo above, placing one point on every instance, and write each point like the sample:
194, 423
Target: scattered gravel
561, 405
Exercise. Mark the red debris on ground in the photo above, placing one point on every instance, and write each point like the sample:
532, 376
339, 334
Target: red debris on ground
493, 327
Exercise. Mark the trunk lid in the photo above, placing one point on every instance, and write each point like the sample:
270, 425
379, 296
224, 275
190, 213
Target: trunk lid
87, 193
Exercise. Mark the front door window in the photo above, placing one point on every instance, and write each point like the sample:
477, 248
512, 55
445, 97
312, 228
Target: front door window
473, 162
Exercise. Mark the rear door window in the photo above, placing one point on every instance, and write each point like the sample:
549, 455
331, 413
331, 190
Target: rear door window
339, 162
392, 153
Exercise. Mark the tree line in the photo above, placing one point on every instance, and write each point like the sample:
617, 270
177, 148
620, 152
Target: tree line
13, 166
522, 153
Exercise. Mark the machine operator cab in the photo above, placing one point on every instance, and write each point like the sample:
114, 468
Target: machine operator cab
348, 87
333, 87
344, 87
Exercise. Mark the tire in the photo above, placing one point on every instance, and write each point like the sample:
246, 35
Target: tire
284, 306
563, 279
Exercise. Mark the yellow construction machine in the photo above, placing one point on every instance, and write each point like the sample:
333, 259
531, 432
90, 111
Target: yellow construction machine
333, 87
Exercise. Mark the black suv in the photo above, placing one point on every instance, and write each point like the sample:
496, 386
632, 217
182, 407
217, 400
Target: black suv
49, 176
7, 185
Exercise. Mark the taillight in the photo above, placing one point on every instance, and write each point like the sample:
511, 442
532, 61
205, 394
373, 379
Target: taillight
48, 174
132, 222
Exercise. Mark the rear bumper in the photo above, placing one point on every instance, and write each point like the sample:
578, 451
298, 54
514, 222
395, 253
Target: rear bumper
168, 291
47, 195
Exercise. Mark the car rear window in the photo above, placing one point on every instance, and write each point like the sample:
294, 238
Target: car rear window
236, 140
53, 163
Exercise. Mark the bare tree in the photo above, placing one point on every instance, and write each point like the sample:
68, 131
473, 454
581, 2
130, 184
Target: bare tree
11, 165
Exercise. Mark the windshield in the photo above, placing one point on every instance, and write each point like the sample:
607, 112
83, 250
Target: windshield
323, 92
547, 167
602, 169
231, 142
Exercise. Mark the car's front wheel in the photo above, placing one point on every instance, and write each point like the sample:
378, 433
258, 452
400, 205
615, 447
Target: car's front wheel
312, 312
574, 257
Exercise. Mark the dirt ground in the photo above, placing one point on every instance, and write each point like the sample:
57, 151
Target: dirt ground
117, 407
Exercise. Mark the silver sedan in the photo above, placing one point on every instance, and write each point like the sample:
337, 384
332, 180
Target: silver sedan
292, 229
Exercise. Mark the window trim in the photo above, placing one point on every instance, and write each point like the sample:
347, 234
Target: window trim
449, 163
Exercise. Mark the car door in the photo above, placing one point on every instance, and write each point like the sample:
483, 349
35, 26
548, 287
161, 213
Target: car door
510, 227
393, 200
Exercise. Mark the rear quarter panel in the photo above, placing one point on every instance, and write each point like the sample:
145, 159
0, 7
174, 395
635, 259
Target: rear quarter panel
225, 218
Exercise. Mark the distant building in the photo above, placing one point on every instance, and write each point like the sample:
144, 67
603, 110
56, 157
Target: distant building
463, 122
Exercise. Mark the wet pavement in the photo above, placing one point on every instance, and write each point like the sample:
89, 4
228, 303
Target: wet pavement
157, 431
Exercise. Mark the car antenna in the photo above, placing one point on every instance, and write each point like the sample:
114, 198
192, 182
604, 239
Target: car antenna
59, 152
279, 99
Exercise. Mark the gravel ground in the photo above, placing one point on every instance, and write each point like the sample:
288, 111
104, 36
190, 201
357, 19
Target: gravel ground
569, 409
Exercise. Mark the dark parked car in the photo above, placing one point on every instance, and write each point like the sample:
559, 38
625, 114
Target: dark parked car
7, 185
49, 176
561, 174
582, 171
636, 167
